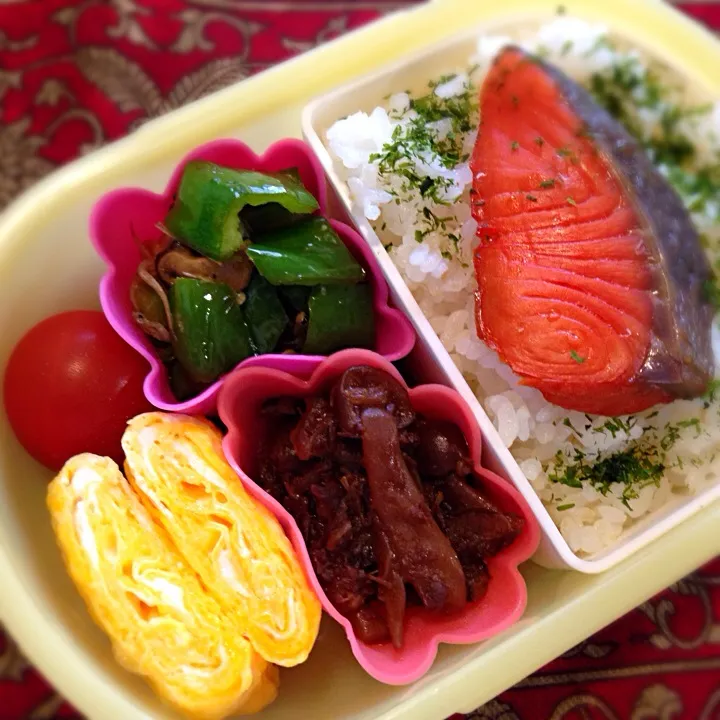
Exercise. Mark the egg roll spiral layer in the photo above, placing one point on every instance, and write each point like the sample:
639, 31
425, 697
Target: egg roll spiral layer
162, 622
236, 546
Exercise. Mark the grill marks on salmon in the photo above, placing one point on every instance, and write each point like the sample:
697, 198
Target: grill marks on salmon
590, 273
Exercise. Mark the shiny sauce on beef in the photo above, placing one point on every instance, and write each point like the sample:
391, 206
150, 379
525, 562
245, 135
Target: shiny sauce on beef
386, 500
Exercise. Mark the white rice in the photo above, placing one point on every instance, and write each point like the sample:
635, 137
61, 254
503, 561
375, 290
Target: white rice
441, 278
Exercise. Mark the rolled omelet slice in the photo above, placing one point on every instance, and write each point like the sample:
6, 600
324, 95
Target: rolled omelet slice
163, 624
176, 465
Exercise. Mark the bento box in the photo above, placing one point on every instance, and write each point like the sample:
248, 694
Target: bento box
39, 604
367, 133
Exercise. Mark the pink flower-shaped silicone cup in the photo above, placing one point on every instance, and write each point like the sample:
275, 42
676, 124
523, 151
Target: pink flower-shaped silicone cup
239, 407
124, 218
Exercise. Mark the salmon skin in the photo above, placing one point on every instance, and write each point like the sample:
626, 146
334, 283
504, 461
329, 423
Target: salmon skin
590, 273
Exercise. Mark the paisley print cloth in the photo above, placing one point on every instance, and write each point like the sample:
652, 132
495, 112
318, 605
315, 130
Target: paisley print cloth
75, 74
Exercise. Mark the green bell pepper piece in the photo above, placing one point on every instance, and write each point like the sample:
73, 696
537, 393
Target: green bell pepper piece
340, 316
206, 214
182, 386
295, 297
267, 218
265, 314
309, 253
211, 334
271, 216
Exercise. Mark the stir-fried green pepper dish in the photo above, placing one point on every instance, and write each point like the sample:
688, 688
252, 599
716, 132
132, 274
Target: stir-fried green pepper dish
245, 268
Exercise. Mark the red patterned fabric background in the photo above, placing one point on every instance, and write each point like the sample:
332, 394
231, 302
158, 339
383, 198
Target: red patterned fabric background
75, 74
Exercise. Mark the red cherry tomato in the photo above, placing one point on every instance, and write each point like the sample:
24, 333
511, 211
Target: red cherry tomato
71, 385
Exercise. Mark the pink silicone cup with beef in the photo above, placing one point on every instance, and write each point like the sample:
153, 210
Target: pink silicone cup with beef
126, 217
239, 406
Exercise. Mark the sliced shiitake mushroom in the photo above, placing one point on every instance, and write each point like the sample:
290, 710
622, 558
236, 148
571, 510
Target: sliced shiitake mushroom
182, 262
151, 309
